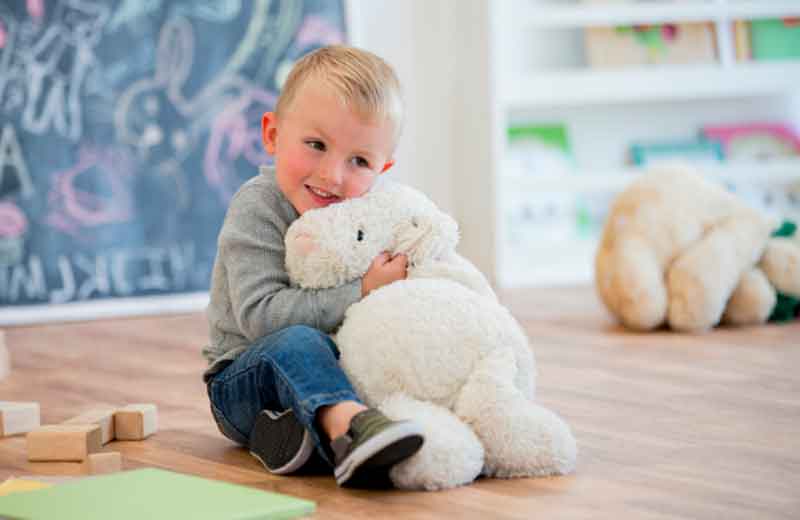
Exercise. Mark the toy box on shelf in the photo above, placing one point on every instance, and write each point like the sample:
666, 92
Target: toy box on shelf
678, 43
649, 44
775, 39
755, 141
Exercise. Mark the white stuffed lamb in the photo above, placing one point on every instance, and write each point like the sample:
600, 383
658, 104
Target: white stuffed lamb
436, 347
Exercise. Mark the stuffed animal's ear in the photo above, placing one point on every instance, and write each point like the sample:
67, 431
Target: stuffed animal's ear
426, 237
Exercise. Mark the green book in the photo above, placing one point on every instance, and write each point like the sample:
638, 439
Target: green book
151, 494
775, 39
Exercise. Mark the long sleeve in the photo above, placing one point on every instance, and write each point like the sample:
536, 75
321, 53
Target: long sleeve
262, 300
251, 295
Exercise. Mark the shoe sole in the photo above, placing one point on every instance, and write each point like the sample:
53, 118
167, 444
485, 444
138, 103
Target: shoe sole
283, 426
378, 454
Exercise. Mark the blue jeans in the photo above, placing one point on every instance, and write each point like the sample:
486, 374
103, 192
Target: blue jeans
296, 367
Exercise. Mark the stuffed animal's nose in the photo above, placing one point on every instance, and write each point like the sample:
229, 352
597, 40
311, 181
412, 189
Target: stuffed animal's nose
305, 244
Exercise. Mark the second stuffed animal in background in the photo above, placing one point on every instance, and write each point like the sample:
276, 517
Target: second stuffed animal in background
680, 250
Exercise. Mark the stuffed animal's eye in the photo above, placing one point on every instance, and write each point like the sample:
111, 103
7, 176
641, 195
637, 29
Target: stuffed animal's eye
360, 235
414, 222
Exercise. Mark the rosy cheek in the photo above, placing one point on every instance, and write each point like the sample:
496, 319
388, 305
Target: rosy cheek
358, 185
298, 161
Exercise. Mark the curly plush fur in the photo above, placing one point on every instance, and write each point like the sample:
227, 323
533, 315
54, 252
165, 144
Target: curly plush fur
436, 347
679, 250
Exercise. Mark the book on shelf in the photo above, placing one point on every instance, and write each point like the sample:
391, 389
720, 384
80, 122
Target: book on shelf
699, 150
754, 141
775, 39
741, 36
538, 149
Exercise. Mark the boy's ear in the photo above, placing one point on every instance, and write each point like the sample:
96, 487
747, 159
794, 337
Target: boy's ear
269, 131
387, 165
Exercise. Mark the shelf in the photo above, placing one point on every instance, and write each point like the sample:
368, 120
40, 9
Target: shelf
655, 83
570, 261
548, 15
768, 172
565, 263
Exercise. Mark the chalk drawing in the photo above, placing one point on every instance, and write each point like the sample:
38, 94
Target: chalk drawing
211, 10
21, 278
131, 10
72, 210
220, 11
13, 225
35, 9
54, 97
249, 42
103, 128
155, 117
12, 163
276, 39
235, 135
7, 37
117, 272
317, 31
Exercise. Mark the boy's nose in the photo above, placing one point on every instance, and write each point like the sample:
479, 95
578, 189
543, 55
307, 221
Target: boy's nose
331, 173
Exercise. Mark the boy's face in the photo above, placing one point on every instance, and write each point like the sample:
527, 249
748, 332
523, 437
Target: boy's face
324, 152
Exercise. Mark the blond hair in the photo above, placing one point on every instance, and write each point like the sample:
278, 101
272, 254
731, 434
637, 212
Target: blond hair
363, 81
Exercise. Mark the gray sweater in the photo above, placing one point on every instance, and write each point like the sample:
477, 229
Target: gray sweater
251, 296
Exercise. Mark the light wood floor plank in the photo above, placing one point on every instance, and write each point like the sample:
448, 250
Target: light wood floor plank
668, 425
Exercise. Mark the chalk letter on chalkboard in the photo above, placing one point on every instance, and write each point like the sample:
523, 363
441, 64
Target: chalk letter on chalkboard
12, 163
32, 280
67, 292
98, 279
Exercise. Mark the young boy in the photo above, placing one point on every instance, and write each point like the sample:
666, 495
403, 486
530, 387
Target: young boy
273, 379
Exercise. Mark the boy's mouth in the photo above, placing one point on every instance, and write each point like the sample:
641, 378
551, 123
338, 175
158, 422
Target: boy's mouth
321, 196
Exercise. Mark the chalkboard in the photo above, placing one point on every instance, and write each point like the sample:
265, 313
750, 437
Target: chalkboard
125, 128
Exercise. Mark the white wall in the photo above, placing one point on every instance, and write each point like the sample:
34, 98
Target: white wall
439, 50
415, 38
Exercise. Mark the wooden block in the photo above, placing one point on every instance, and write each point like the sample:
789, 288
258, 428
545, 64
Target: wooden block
135, 422
18, 417
102, 417
64, 442
102, 463
5, 357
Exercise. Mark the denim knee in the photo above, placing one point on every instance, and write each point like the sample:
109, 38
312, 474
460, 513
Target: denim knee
297, 339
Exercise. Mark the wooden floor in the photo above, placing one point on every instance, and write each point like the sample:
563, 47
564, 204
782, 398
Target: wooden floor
668, 425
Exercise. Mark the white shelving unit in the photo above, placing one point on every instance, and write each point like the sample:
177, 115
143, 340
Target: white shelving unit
575, 14
538, 73
664, 83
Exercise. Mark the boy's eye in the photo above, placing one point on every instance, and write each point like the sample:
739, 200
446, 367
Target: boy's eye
361, 162
360, 235
316, 145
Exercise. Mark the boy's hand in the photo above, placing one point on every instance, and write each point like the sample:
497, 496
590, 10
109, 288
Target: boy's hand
384, 270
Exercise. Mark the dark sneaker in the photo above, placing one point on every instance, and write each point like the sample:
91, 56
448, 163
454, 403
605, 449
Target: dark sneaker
280, 442
372, 445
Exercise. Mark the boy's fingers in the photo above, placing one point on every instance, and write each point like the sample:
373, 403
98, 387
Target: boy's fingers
382, 258
401, 258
